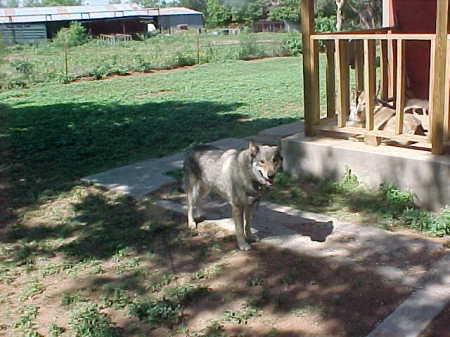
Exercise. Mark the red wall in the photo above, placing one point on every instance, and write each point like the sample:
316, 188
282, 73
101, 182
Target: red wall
416, 16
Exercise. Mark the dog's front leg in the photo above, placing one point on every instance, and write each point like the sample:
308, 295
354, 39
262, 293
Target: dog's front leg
238, 218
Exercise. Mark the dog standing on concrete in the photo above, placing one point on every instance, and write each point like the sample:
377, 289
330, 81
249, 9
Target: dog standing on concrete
237, 176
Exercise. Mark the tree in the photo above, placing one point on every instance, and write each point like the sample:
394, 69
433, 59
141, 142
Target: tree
198, 5
49, 3
339, 17
217, 14
286, 10
369, 12
12, 3
248, 12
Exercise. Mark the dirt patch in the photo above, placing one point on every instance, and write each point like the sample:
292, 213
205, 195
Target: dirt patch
129, 259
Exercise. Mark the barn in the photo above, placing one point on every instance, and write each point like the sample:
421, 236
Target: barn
36, 24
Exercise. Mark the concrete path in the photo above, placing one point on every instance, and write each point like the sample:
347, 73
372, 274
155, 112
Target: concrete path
147, 176
396, 256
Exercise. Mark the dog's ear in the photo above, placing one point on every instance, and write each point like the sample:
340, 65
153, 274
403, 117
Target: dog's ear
254, 149
278, 153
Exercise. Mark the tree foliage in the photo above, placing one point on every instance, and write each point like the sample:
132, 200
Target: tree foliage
286, 10
74, 35
222, 13
49, 3
198, 5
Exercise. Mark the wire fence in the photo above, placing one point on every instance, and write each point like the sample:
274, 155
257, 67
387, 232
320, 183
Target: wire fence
27, 65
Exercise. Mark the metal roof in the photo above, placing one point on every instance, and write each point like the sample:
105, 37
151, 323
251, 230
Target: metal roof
74, 13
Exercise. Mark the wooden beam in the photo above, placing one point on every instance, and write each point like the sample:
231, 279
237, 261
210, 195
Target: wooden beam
401, 87
447, 98
437, 77
342, 82
359, 64
310, 67
369, 81
331, 81
381, 36
392, 90
330, 126
384, 65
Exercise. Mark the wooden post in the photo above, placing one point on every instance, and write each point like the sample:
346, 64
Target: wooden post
331, 81
384, 80
437, 77
359, 64
392, 90
310, 67
447, 98
369, 81
401, 87
342, 82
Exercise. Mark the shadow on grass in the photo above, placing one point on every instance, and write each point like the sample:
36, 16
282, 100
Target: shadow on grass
346, 299
49, 148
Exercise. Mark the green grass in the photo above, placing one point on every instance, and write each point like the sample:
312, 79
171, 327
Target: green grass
57, 134
386, 206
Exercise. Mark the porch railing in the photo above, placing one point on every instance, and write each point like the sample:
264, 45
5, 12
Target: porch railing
392, 79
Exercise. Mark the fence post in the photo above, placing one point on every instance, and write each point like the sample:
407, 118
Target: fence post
66, 65
198, 46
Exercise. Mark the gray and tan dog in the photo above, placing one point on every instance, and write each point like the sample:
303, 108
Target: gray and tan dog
237, 176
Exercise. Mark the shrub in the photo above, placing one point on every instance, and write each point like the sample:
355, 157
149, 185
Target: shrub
248, 48
141, 65
22, 67
435, 224
325, 24
74, 35
396, 201
293, 45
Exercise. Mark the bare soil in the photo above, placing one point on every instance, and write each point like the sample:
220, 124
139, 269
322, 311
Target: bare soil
264, 292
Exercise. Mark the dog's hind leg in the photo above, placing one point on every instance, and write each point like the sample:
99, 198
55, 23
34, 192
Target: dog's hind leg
238, 218
192, 194
248, 215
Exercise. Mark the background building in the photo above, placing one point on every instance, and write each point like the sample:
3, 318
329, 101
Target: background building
35, 24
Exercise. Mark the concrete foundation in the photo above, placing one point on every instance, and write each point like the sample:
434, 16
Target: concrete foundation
427, 176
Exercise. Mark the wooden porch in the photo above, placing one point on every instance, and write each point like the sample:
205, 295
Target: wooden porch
389, 45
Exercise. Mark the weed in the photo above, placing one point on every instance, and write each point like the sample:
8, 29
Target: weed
241, 316
116, 298
54, 330
25, 322
90, 322
71, 298
34, 288
128, 264
305, 307
156, 313
209, 273
214, 329
185, 293
255, 281
288, 279
396, 201
163, 281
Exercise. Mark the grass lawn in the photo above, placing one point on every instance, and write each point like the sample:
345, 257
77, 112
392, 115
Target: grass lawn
57, 134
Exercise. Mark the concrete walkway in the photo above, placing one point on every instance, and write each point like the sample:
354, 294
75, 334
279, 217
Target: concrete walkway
316, 235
